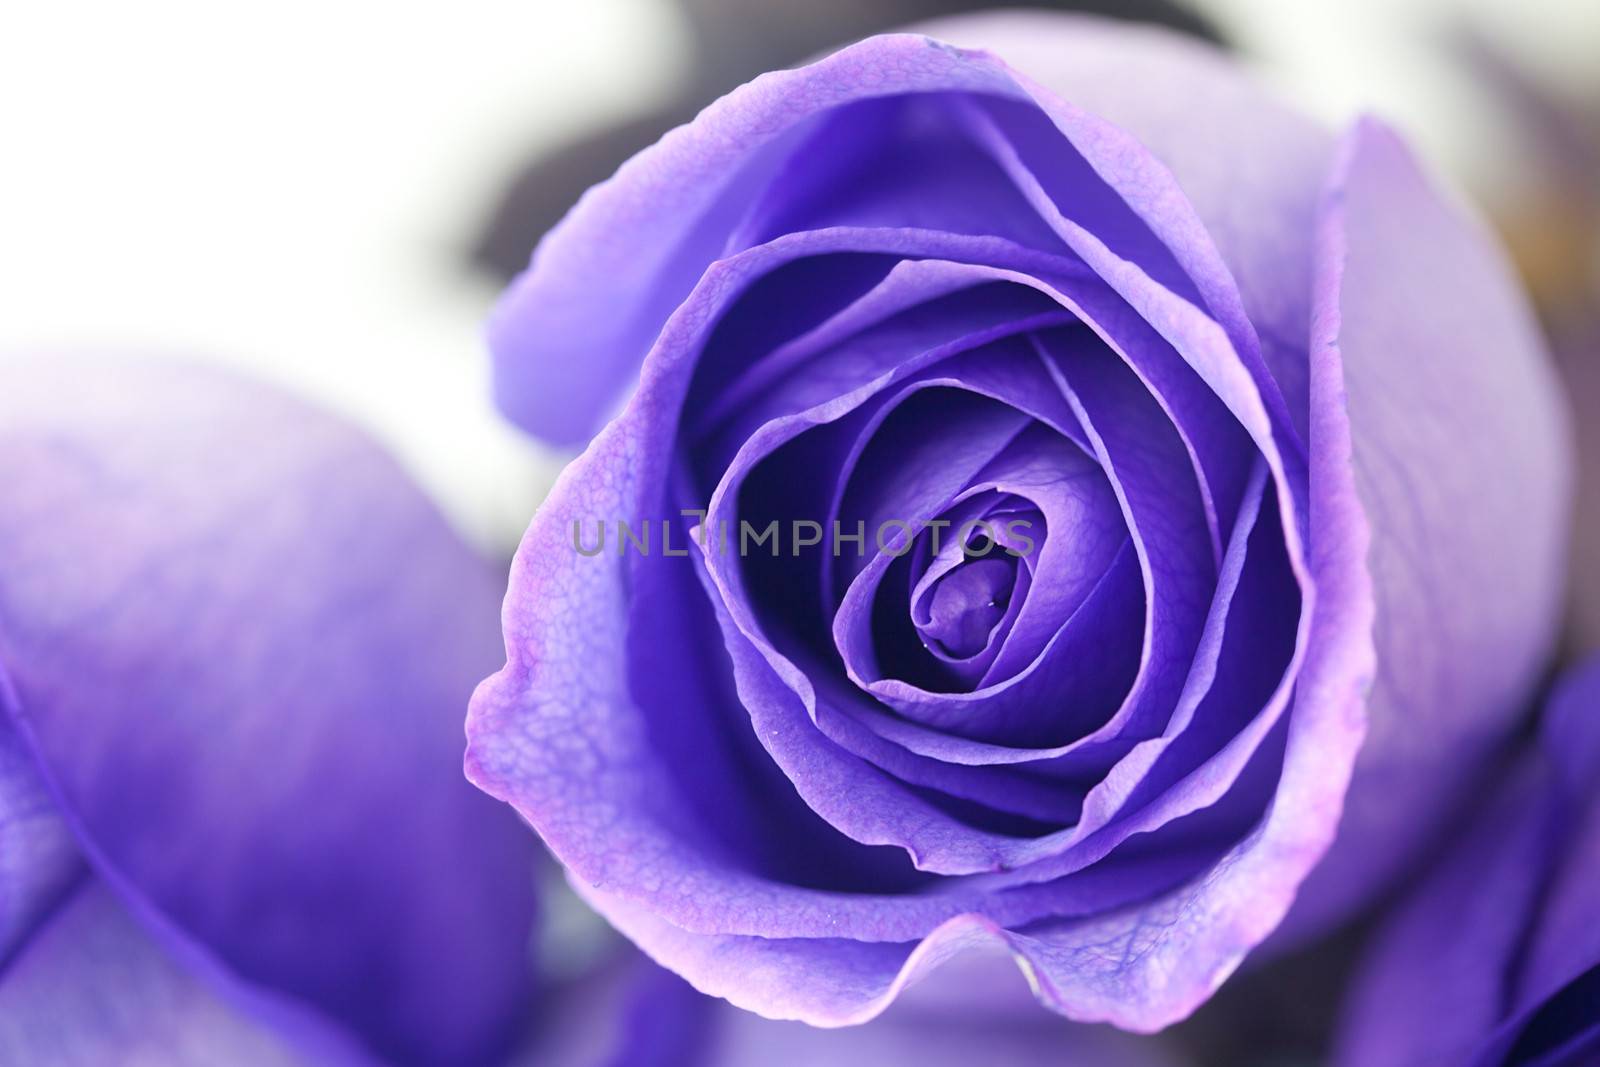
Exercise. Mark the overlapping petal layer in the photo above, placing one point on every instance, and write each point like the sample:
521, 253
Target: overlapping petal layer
1497, 948
232, 641
890, 296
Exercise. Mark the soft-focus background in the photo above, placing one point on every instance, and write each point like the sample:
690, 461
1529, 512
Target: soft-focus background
332, 194
305, 189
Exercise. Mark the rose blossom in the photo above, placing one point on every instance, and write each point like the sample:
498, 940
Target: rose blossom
1270, 403
1495, 958
234, 647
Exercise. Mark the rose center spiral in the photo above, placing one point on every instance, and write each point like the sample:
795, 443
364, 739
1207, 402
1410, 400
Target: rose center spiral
968, 603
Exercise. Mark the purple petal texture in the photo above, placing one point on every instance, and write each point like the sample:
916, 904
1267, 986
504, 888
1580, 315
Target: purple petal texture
92, 987
1092, 278
731, 41
1496, 951
233, 645
39, 860
635, 1015
1468, 488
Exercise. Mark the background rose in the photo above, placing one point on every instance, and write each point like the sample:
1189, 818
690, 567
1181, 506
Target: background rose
1153, 329
234, 645
1495, 957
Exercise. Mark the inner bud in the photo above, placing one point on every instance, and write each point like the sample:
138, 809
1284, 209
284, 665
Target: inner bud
967, 604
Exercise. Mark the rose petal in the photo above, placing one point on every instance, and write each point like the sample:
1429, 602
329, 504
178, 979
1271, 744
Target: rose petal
1491, 468
1568, 941
1445, 955
1226, 142
39, 860
237, 640
667, 214
92, 987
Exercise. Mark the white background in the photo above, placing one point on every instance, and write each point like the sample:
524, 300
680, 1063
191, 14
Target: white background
290, 187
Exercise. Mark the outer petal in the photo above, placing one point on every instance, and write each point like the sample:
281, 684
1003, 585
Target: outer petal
1250, 166
1567, 942
743, 1038
93, 988
1438, 980
1463, 463
1496, 948
650, 1016
604, 281
237, 643
1571, 731
570, 334
39, 861
908, 1035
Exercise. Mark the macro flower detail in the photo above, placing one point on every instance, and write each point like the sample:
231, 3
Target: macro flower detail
1080, 388
634, 1012
234, 645
1497, 947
